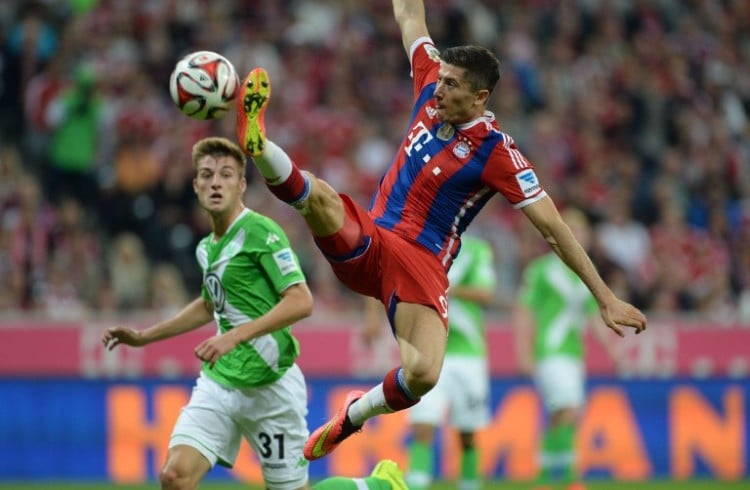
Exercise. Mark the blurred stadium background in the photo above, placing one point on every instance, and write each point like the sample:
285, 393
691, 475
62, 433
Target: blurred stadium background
635, 111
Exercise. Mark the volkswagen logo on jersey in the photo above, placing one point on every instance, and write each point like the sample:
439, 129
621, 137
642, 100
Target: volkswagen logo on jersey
216, 291
528, 182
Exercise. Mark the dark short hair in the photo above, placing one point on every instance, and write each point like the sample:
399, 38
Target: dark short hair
482, 67
218, 146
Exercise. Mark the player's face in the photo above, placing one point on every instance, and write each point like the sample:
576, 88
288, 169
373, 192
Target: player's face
218, 183
455, 100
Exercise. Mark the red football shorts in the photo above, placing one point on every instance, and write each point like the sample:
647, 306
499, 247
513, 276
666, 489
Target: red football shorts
389, 267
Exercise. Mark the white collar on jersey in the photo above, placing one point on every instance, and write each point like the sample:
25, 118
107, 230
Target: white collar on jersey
487, 118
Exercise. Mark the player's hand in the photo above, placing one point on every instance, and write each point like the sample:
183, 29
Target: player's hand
619, 314
211, 349
114, 336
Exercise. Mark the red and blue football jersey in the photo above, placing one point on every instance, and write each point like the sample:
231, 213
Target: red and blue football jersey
443, 175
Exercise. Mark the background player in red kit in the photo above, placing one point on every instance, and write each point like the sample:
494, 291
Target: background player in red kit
453, 159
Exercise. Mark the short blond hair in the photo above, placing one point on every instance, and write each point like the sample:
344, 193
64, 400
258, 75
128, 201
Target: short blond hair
218, 146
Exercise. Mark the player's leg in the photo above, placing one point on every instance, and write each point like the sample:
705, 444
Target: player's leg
421, 456
184, 468
421, 335
272, 418
469, 478
468, 379
412, 284
560, 384
317, 201
385, 476
425, 417
562, 430
202, 436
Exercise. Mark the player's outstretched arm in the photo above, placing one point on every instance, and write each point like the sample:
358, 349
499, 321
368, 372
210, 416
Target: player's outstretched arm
194, 315
296, 303
615, 312
410, 17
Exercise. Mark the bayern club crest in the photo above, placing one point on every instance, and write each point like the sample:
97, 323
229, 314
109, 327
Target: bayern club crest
462, 149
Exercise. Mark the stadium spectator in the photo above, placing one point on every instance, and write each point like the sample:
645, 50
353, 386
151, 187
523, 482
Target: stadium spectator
584, 84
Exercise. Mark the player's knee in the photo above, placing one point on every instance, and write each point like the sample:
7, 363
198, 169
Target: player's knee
323, 209
420, 378
171, 479
322, 195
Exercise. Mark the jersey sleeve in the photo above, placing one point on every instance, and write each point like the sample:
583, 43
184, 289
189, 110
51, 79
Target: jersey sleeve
279, 261
425, 63
512, 175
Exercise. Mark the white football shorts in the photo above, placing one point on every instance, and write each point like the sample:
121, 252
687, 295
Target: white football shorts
461, 396
560, 382
271, 418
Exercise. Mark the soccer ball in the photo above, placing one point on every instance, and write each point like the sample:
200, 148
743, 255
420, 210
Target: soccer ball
204, 85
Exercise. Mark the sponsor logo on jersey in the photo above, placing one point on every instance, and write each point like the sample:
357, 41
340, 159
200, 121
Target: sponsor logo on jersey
216, 291
285, 261
528, 182
431, 111
462, 149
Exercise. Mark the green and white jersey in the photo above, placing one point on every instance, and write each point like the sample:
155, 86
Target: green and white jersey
473, 267
244, 274
560, 304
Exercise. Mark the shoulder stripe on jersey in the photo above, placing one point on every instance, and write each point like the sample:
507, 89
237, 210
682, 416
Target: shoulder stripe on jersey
516, 156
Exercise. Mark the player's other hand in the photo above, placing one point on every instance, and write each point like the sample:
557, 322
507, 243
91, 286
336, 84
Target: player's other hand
114, 336
211, 349
618, 314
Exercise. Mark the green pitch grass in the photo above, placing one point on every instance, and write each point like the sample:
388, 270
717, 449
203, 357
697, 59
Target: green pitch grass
596, 485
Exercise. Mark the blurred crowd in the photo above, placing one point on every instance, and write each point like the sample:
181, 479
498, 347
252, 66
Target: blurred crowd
634, 111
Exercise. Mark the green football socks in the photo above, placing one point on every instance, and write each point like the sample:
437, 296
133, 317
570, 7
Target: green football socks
341, 483
421, 466
558, 454
469, 478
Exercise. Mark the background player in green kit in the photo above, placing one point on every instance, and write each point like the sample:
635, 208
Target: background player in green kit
552, 309
250, 386
463, 389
